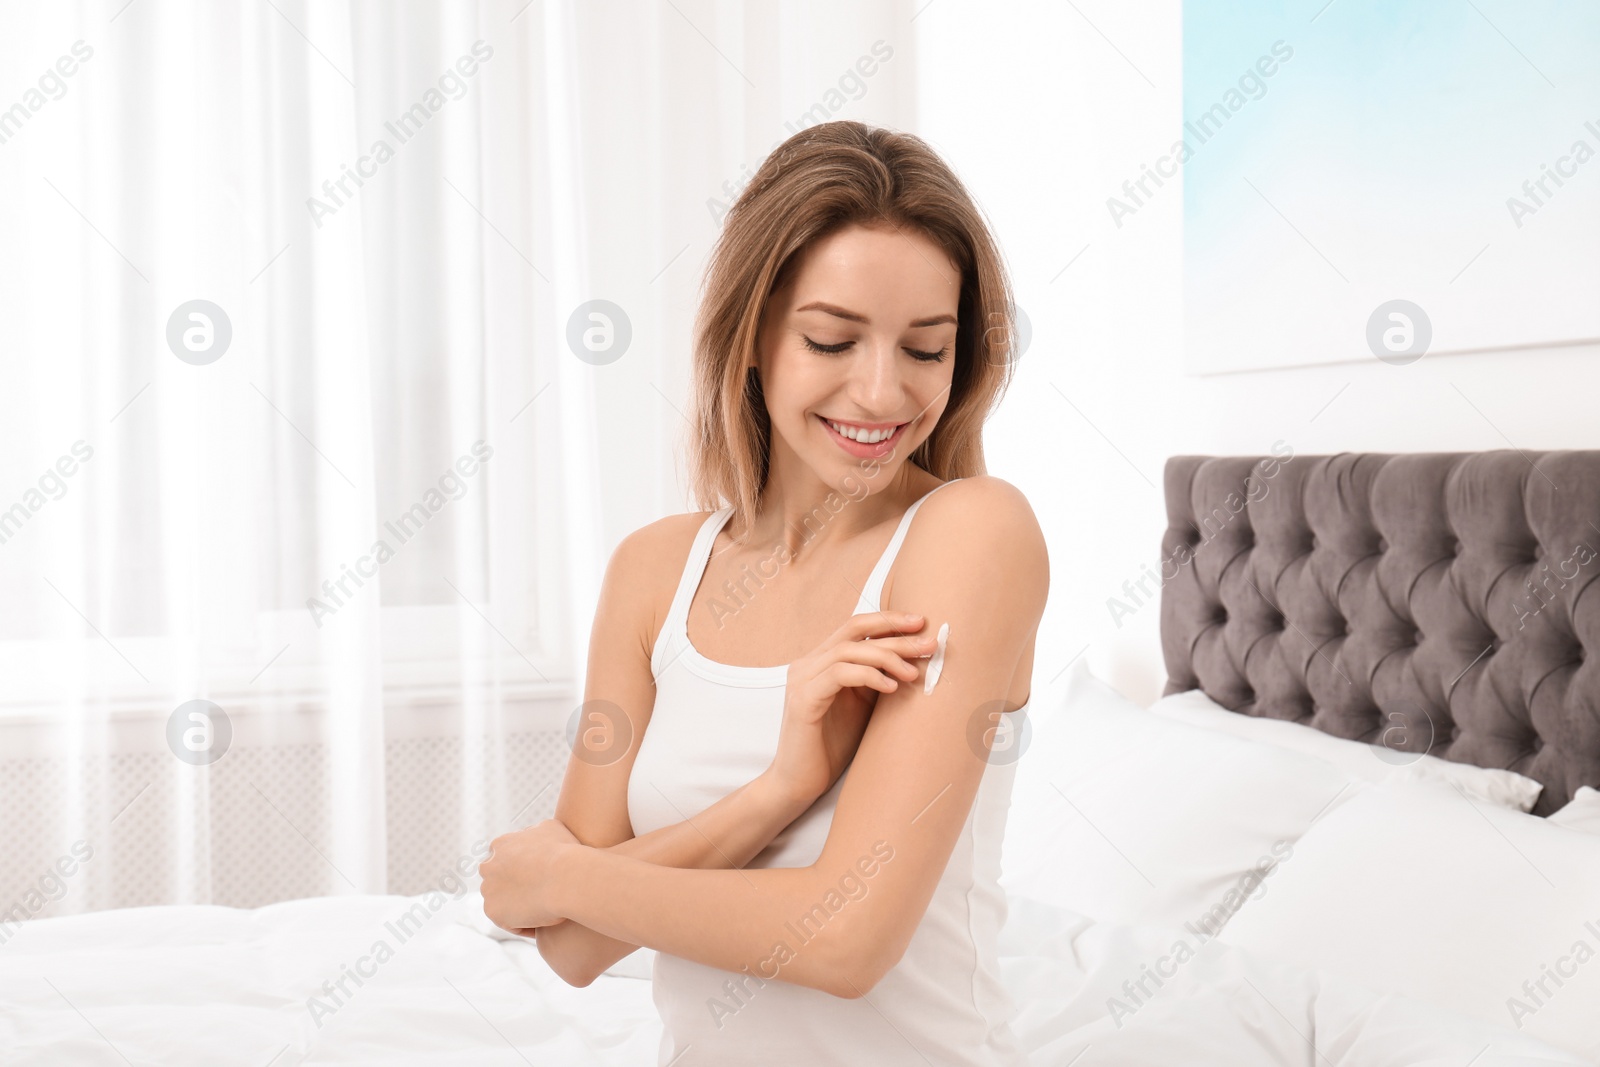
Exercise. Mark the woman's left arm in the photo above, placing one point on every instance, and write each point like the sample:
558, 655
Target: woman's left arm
976, 561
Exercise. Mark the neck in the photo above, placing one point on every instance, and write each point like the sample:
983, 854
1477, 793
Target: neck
801, 511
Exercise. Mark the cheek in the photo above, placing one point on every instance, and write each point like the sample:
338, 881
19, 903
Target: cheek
932, 390
794, 381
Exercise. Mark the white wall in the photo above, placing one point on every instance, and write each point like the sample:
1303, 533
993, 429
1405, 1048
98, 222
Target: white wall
1038, 112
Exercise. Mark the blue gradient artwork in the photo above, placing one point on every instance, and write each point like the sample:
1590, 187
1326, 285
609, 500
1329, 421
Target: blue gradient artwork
1369, 178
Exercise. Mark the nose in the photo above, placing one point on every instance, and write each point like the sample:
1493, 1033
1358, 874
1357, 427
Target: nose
877, 384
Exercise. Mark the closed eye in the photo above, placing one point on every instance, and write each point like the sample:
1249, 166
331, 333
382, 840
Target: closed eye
833, 350
828, 350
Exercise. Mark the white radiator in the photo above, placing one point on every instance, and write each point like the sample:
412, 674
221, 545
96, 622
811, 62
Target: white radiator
257, 825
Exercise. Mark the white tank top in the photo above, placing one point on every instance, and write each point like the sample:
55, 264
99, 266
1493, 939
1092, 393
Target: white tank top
714, 728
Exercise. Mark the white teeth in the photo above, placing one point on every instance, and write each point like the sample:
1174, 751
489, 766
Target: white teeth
866, 437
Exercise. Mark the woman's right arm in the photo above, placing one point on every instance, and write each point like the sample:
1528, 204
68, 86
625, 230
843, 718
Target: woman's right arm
828, 697
729, 834
594, 794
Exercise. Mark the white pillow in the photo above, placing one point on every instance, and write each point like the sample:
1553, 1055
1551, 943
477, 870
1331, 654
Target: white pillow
1582, 812
1371, 763
1131, 818
1421, 891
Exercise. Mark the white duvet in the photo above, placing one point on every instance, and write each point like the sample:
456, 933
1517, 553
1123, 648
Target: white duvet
211, 985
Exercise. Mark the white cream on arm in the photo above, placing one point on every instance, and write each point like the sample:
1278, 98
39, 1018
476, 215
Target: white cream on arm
936, 664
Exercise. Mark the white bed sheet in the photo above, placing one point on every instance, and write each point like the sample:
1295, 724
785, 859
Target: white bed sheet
210, 985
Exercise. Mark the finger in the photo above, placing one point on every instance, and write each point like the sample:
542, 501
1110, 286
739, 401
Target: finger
864, 677
875, 655
918, 646
879, 623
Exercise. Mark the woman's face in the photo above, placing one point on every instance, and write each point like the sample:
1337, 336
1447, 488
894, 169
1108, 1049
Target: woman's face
856, 353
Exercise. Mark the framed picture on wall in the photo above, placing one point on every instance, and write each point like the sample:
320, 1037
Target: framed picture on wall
1387, 178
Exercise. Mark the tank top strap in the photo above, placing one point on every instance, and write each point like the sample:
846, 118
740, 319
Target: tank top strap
872, 592
676, 626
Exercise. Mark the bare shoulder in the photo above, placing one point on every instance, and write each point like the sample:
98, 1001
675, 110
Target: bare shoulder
983, 525
657, 546
645, 567
982, 507
982, 491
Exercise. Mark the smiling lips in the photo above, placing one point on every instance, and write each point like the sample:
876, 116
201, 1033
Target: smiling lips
864, 439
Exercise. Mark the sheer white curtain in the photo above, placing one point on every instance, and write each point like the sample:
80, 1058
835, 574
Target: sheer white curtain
306, 493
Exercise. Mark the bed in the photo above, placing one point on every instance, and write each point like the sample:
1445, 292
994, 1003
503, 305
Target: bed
1358, 829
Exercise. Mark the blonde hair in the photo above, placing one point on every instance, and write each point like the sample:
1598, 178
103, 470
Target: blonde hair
821, 180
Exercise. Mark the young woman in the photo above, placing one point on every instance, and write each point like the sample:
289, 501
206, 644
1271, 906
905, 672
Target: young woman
785, 783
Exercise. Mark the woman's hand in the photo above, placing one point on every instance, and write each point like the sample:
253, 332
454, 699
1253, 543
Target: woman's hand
518, 875
831, 692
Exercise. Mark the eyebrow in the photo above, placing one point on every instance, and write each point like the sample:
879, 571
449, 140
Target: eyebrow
853, 316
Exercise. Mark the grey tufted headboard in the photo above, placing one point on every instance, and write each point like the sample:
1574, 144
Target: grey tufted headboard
1428, 602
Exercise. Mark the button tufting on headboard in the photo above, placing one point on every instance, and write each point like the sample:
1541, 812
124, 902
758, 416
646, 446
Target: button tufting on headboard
1464, 585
